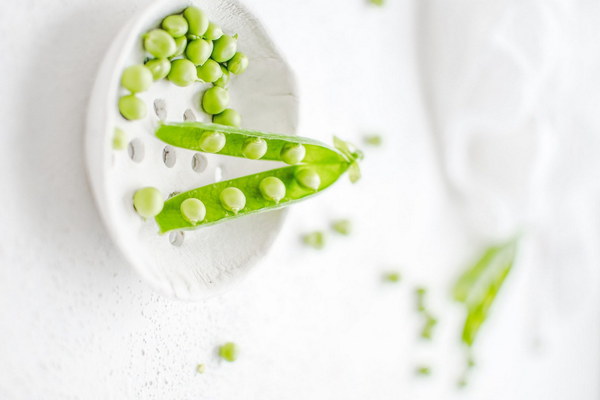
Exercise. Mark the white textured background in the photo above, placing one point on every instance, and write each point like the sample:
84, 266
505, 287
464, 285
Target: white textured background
77, 323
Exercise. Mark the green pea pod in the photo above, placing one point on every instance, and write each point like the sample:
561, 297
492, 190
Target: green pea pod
327, 164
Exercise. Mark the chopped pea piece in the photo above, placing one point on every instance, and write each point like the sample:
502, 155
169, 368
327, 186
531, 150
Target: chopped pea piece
423, 371
377, 2
314, 239
430, 323
229, 351
119, 139
342, 226
373, 140
200, 368
420, 292
392, 277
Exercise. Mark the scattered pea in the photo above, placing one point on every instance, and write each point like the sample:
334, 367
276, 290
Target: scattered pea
215, 100
228, 117
293, 153
430, 323
212, 142
223, 81
238, 63
132, 107
200, 368
272, 189
225, 48
254, 148
341, 226
229, 351
136, 78
210, 71
420, 292
377, 2
119, 141
175, 25
159, 67
233, 199
392, 277
183, 72
180, 46
213, 32
148, 202
159, 43
308, 177
423, 370
193, 210
198, 51
373, 140
314, 239
197, 21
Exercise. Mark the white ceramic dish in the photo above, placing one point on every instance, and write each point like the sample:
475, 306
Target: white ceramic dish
190, 265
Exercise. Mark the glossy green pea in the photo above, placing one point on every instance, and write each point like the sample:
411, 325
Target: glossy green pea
159, 43
229, 117
233, 199
293, 153
136, 78
272, 189
225, 48
197, 21
308, 177
213, 32
215, 100
148, 202
119, 141
175, 25
183, 72
181, 44
254, 148
238, 63
229, 351
223, 81
210, 71
212, 142
132, 107
159, 67
193, 210
198, 51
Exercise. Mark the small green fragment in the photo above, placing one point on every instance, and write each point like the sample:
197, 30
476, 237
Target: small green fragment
392, 277
229, 351
430, 323
423, 370
377, 2
342, 226
373, 140
420, 294
200, 368
314, 239
119, 141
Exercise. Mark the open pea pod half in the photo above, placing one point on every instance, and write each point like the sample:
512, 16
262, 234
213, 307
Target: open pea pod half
328, 163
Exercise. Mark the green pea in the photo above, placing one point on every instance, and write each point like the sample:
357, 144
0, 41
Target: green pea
254, 148
233, 199
213, 32
197, 21
423, 371
136, 78
215, 100
119, 139
392, 277
272, 189
183, 72
229, 117
293, 153
212, 142
238, 63
176, 25
198, 51
223, 81
225, 48
314, 239
132, 107
373, 140
308, 177
210, 71
229, 351
341, 226
181, 44
159, 67
193, 210
159, 43
148, 202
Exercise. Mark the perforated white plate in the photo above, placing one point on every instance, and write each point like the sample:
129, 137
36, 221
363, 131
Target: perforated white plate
190, 265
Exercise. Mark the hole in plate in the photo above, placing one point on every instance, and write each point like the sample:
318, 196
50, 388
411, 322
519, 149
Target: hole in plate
169, 156
136, 151
219, 171
160, 108
176, 238
199, 162
189, 115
